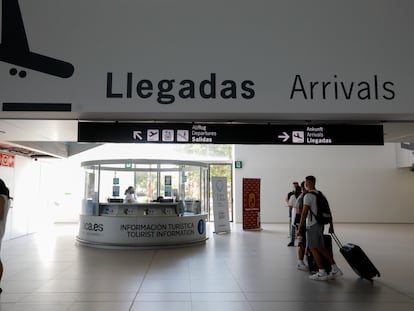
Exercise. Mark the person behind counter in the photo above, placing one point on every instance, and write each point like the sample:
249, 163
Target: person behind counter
159, 199
130, 195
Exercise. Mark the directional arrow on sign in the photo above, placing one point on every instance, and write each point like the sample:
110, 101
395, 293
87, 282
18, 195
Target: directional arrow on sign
285, 136
137, 135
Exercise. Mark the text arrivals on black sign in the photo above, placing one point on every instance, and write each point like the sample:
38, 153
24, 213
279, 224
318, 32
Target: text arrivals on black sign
372, 89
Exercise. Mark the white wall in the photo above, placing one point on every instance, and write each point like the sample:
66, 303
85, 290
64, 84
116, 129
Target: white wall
62, 185
23, 182
7, 175
362, 183
43, 192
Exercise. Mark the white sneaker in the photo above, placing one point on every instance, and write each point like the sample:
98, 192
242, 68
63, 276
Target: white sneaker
302, 267
335, 274
319, 276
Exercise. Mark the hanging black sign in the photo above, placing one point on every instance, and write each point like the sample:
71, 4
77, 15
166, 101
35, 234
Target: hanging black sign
215, 133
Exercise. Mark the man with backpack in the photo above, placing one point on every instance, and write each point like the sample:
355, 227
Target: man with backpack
315, 215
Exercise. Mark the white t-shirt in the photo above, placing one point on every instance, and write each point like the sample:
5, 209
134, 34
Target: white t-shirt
4, 220
292, 203
130, 198
310, 200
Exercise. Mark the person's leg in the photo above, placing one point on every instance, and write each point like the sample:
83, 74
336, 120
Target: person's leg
321, 275
302, 250
335, 271
327, 255
290, 224
292, 236
1, 273
301, 255
318, 258
315, 243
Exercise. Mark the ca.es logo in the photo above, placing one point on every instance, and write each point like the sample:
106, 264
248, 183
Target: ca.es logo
14, 48
89, 226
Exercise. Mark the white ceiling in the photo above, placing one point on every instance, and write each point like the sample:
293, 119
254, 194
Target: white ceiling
38, 130
399, 132
38, 137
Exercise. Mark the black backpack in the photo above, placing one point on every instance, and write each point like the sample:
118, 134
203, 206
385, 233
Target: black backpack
323, 215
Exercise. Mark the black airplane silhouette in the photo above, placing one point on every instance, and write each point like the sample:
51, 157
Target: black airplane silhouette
14, 47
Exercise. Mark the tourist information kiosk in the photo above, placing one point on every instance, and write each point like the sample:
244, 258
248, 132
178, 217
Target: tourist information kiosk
168, 207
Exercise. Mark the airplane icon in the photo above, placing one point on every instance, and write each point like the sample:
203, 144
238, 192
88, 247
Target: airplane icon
14, 47
153, 135
298, 137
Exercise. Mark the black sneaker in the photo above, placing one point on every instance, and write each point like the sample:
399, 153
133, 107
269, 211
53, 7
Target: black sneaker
291, 244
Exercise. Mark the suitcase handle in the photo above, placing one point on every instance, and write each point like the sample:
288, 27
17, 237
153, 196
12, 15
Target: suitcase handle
336, 239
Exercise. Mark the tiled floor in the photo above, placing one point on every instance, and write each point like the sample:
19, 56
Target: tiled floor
240, 271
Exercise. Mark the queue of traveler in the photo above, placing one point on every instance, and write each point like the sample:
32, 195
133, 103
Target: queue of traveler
307, 227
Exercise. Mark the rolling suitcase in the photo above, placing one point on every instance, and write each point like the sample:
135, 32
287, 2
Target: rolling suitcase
313, 267
357, 259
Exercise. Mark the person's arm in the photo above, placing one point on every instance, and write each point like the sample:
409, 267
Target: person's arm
303, 218
291, 201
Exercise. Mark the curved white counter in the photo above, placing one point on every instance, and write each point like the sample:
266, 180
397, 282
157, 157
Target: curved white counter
142, 231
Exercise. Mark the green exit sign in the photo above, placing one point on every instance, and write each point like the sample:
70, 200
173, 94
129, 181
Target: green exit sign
238, 164
128, 165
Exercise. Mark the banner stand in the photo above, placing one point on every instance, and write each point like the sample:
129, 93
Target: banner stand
220, 204
251, 204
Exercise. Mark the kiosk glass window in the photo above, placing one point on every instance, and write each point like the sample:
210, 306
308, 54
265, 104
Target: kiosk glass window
91, 183
192, 183
178, 181
91, 200
146, 185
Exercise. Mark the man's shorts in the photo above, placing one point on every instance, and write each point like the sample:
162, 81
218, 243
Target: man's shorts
314, 236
